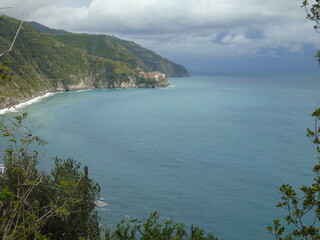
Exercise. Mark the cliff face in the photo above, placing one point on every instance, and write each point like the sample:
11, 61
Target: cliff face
43, 64
13, 92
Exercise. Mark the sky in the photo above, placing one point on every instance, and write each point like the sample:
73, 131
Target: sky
199, 34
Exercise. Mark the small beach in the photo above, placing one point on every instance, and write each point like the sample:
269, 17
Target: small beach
16, 107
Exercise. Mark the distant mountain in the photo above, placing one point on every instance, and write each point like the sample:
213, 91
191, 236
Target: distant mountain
110, 47
41, 63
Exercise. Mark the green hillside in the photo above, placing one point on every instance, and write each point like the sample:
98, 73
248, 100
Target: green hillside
154, 61
43, 64
101, 46
114, 48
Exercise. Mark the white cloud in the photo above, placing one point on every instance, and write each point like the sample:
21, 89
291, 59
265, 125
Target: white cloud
182, 27
240, 39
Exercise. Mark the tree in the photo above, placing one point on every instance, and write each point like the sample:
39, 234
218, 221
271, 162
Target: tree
36, 205
20, 213
82, 220
303, 211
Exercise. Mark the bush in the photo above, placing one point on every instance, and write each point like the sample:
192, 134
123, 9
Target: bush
36, 205
153, 228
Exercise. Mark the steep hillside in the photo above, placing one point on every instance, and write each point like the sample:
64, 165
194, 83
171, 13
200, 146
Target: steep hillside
101, 46
43, 64
116, 49
154, 61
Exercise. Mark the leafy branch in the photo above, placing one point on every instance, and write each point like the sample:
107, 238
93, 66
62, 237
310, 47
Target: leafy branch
303, 213
313, 13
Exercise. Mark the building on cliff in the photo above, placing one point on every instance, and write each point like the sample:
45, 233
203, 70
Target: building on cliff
151, 75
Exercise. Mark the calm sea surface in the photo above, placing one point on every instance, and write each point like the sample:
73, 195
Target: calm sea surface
210, 151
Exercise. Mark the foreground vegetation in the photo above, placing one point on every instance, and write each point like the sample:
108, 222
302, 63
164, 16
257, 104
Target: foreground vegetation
302, 208
38, 205
60, 204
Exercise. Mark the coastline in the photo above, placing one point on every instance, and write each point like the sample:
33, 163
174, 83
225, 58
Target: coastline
16, 107
39, 98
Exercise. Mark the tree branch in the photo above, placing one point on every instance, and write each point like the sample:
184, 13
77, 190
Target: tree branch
14, 39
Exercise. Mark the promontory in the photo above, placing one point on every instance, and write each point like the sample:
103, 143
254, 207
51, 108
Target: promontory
46, 60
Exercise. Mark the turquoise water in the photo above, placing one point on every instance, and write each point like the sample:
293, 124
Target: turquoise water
211, 151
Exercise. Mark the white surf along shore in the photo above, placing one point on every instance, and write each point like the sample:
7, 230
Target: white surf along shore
16, 107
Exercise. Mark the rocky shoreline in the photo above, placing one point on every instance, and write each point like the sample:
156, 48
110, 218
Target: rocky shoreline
144, 80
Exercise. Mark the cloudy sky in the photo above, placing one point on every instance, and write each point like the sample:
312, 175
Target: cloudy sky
211, 34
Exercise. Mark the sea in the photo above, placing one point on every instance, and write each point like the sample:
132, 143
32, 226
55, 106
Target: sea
211, 150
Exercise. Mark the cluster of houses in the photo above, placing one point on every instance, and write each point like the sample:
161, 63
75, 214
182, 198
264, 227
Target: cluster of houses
150, 75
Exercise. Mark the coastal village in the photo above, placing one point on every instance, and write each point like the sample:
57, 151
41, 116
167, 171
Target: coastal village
157, 76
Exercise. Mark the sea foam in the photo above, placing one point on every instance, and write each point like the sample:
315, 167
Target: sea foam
16, 107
